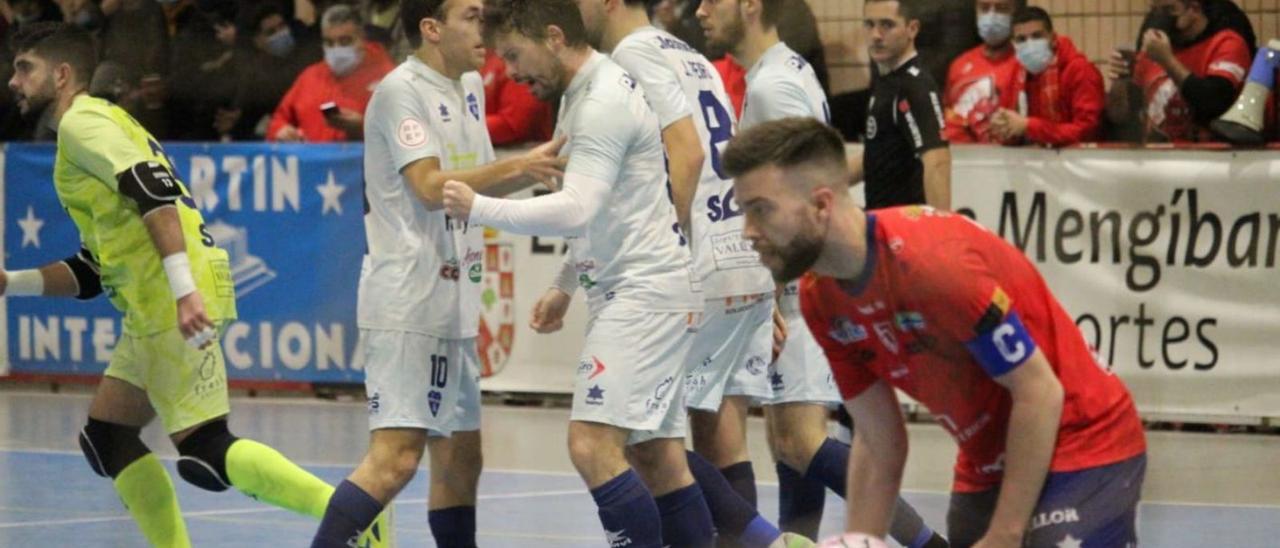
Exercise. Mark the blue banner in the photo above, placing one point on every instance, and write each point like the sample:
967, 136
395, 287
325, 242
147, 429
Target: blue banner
289, 216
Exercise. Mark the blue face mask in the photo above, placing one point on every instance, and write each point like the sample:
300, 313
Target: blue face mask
994, 28
281, 43
1035, 55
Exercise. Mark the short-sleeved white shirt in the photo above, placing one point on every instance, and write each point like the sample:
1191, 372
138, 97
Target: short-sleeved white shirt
781, 85
423, 270
631, 253
679, 82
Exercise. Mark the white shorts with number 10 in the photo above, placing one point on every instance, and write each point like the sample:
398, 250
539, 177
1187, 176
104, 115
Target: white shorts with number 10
419, 381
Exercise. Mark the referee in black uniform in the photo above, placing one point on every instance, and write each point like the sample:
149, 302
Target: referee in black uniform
905, 159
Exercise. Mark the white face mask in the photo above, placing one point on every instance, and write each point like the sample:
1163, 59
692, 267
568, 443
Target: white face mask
342, 59
994, 27
1035, 55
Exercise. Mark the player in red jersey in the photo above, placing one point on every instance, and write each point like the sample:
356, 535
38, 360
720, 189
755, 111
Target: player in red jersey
1052, 452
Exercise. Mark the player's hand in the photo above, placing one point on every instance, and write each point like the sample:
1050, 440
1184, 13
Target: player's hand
458, 198
225, 120
1157, 46
4, 281
548, 313
1118, 66
779, 334
193, 323
544, 164
289, 134
1008, 125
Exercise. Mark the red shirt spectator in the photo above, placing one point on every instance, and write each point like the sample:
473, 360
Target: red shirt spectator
1224, 55
735, 81
1060, 93
977, 87
513, 114
299, 118
935, 289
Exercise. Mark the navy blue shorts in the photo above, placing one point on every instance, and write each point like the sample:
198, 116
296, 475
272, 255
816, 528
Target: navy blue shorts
1090, 508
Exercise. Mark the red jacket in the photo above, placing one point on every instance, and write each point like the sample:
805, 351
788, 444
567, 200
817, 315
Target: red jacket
512, 113
1064, 103
1224, 54
735, 81
977, 87
317, 85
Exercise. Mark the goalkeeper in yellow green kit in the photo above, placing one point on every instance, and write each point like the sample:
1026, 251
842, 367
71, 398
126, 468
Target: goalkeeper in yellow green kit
145, 245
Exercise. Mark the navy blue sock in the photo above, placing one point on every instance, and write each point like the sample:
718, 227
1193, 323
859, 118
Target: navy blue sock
686, 520
800, 502
453, 527
743, 479
628, 513
734, 517
351, 510
830, 466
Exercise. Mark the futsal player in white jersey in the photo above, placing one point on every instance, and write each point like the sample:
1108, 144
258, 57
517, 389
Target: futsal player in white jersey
781, 84
733, 345
419, 295
624, 252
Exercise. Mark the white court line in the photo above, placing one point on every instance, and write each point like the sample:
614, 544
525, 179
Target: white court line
239, 511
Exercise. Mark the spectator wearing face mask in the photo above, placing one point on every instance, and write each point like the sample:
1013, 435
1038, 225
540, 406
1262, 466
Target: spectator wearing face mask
1192, 60
980, 82
1060, 95
279, 49
327, 101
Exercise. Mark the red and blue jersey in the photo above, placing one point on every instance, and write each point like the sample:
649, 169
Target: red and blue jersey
944, 307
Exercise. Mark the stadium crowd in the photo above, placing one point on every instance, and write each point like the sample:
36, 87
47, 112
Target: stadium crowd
303, 71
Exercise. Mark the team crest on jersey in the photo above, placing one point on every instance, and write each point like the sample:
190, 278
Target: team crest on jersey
434, 398
473, 106
873, 127
497, 300
909, 321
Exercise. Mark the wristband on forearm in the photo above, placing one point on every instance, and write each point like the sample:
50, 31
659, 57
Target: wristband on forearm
178, 269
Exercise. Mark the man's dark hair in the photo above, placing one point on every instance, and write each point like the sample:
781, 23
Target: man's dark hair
771, 12
59, 43
1033, 13
263, 11
908, 9
788, 142
531, 18
412, 12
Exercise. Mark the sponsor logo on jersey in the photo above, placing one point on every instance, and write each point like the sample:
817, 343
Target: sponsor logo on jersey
1056, 516
444, 113
846, 332
434, 398
756, 365
776, 381
597, 367
909, 321
411, 133
449, 270
584, 367
659, 400
595, 395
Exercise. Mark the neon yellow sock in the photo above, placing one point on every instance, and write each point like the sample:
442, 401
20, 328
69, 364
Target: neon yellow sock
264, 474
147, 491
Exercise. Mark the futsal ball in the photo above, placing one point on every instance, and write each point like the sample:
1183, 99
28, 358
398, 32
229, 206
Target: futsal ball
853, 540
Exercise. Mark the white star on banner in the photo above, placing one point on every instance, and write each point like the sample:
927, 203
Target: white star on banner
331, 192
30, 226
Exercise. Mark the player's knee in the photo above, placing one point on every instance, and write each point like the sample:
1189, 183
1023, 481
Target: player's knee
110, 447
583, 450
396, 465
203, 456
793, 449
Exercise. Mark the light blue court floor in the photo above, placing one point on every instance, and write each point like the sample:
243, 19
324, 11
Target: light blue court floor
529, 496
